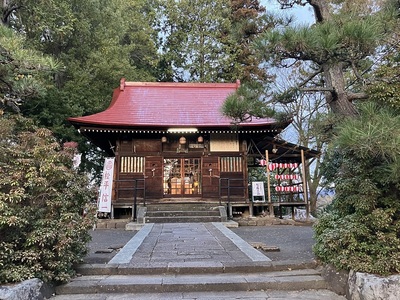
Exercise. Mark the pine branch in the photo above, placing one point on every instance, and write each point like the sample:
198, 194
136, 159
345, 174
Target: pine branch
310, 77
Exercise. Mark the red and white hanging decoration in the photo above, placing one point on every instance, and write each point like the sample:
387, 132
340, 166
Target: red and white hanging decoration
273, 166
292, 188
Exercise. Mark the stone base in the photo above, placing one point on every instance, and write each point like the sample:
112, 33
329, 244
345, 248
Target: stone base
336, 279
266, 221
134, 226
32, 289
111, 223
361, 286
231, 224
364, 286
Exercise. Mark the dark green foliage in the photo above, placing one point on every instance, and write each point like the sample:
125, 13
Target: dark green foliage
95, 42
247, 103
209, 40
361, 231
42, 198
24, 73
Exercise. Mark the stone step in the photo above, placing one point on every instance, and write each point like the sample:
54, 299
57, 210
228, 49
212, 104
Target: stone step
190, 267
182, 207
181, 213
183, 219
184, 213
111, 223
282, 280
229, 295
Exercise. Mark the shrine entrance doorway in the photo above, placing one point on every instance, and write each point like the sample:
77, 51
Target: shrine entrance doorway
182, 177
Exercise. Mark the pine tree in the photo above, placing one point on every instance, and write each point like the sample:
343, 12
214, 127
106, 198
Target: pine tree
334, 53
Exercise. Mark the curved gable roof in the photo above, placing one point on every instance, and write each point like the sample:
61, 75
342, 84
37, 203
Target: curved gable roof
161, 104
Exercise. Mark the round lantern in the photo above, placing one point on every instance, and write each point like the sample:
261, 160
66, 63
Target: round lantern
182, 140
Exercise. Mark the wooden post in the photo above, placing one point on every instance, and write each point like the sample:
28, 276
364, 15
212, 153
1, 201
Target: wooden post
270, 205
305, 187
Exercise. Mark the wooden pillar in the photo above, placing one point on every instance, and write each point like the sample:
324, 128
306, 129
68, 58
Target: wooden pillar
305, 186
270, 205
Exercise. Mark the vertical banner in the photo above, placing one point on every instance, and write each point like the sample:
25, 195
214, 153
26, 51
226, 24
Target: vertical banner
104, 204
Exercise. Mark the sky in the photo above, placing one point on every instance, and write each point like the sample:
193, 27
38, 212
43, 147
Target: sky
303, 14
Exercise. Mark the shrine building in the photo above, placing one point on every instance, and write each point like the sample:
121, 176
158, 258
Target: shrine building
171, 144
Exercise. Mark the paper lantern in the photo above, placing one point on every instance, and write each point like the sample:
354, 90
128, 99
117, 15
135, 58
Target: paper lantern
182, 140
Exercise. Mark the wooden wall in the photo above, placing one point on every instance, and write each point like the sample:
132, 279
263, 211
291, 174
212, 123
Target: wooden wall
153, 152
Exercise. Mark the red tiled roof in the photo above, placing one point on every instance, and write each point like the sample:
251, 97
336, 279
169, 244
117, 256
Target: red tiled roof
159, 104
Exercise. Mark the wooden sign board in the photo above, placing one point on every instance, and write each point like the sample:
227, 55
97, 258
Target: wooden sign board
224, 142
257, 191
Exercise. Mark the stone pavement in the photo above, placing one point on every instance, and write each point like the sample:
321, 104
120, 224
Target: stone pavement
190, 245
194, 261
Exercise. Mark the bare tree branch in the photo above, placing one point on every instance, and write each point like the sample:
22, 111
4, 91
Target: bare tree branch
358, 75
317, 89
356, 96
310, 77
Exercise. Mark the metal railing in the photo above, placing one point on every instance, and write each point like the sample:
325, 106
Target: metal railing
225, 184
135, 188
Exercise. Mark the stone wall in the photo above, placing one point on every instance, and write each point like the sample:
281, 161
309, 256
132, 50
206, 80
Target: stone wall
362, 286
266, 221
32, 289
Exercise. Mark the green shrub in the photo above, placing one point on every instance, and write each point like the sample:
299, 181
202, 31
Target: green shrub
42, 230
361, 231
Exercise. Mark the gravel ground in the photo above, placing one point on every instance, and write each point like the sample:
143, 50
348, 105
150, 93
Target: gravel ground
294, 242
104, 240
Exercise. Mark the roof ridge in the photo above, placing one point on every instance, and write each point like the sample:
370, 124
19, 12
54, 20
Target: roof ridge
124, 83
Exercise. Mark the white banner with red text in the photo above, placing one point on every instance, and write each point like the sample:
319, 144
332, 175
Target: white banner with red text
104, 203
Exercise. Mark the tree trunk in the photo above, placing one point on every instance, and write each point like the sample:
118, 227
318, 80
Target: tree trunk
321, 10
7, 9
312, 189
338, 99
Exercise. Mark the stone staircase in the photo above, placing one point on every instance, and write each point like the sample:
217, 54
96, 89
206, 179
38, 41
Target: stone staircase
118, 280
182, 213
195, 261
